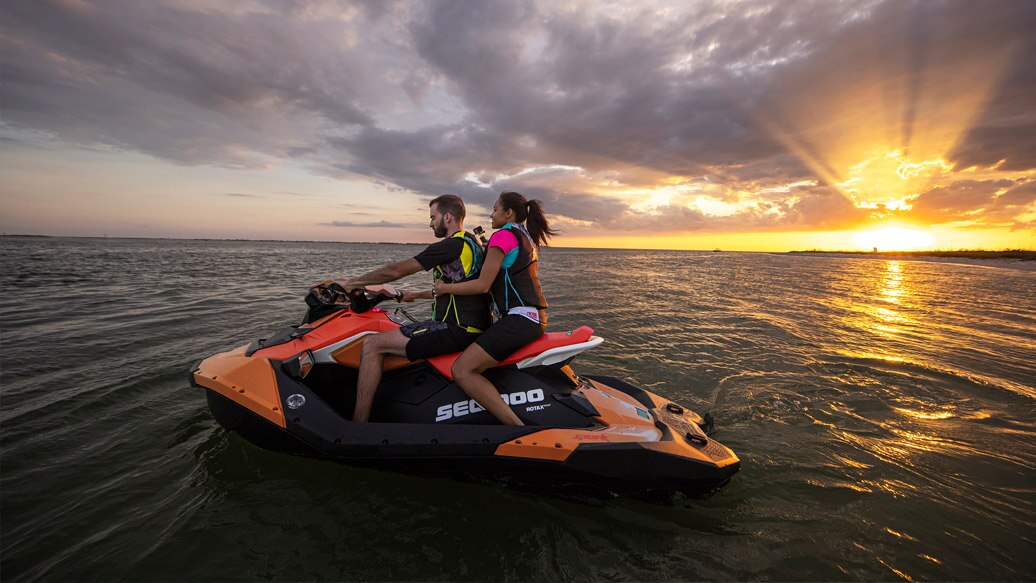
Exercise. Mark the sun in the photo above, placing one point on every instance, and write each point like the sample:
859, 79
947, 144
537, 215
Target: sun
894, 239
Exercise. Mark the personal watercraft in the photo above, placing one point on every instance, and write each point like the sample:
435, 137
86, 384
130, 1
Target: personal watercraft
294, 392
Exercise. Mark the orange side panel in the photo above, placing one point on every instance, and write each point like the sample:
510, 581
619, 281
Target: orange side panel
558, 444
349, 355
549, 444
337, 327
248, 381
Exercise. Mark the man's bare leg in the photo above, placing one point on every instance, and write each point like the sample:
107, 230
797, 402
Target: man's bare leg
467, 371
372, 356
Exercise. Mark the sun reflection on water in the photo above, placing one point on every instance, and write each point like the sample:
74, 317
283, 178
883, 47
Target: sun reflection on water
926, 414
892, 290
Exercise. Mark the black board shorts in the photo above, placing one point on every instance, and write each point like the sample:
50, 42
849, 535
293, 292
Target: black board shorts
433, 338
508, 335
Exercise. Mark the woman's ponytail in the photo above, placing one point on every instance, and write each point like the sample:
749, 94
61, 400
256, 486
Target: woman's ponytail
537, 225
531, 213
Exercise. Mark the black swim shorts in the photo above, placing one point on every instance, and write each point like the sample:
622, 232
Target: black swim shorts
433, 338
509, 334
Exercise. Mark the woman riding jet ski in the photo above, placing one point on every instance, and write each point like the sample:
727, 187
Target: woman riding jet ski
294, 393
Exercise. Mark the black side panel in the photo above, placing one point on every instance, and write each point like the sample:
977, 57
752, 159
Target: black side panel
577, 403
637, 393
553, 374
328, 432
412, 385
420, 395
336, 386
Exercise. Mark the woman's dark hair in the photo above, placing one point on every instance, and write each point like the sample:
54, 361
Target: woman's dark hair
531, 213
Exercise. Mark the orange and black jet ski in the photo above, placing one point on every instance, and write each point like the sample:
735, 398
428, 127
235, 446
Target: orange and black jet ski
294, 392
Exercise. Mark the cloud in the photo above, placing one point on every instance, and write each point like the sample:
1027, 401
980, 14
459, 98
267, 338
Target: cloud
1005, 134
1017, 206
242, 195
983, 202
592, 107
382, 224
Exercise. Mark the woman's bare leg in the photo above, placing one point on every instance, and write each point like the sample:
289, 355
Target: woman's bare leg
467, 371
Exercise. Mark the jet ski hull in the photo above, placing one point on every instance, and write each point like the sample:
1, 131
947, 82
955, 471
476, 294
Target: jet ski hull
580, 429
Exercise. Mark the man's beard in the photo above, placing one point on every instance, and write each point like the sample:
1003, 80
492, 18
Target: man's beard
440, 230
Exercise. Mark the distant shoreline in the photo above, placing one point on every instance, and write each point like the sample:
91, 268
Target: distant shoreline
1019, 259
961, 253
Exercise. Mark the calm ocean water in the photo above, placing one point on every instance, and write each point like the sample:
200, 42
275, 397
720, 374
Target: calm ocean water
884, 413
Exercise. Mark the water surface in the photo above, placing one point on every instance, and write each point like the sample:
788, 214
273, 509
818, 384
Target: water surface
884, 413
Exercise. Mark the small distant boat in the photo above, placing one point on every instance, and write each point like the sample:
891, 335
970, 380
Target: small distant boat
716, 250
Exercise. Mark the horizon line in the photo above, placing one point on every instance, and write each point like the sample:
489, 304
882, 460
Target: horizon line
865, 252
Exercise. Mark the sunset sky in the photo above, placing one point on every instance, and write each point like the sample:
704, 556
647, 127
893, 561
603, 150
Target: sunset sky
767, 126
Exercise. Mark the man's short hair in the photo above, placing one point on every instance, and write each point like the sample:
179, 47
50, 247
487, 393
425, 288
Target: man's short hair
450, 203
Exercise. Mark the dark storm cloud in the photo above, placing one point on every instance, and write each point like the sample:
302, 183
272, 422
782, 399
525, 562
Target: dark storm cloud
744, 97
597, 90
194, 87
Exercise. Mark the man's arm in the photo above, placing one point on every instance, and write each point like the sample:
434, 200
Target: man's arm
383, 274
409, 296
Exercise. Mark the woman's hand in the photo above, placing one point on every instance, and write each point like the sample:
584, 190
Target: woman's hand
408, 296
440, 288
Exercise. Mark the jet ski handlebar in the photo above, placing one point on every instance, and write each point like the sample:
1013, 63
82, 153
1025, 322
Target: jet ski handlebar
328, 296
363, 299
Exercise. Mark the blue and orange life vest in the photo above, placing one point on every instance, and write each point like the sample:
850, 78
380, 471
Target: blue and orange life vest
518, 283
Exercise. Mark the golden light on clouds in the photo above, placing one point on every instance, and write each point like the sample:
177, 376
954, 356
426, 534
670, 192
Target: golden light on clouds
889, 181
882, 135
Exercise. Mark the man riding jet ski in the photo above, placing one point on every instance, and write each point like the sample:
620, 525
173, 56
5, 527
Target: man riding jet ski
295, 393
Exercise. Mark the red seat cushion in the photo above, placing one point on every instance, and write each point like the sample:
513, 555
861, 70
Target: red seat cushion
444, 363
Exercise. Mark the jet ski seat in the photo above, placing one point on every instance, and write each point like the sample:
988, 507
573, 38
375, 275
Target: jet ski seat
551, 348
